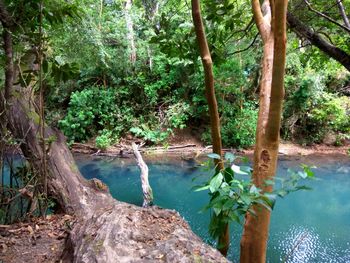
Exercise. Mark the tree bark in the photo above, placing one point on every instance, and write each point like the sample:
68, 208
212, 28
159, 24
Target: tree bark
130, 31
224, 240
106, 230
256, 227
343, 13
146, 188
151, 9
317, 40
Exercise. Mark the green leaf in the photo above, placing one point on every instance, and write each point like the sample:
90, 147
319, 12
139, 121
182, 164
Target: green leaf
201, 188
217, 210
246, 199
302, 174
228, 204
228, 174
214, 156
253, 190
215, 182
303, 187
234, 217
237, 170
230, 157
270, 199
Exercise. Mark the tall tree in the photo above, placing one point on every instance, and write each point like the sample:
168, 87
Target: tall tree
116, 229
130, 31
224, 239
270, 18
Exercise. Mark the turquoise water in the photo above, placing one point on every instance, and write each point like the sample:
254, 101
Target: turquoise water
307, 226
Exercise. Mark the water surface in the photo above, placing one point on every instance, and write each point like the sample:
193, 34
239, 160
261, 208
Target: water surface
307, 226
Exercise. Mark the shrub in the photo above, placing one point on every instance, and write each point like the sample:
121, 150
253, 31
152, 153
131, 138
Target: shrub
159, 126
94, 109
238, 130
332, 114
104, 140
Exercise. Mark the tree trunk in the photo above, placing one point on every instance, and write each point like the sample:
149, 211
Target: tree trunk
256, 227
151, 9
105, 230
146, 188
130, 31
343, 13
224, 240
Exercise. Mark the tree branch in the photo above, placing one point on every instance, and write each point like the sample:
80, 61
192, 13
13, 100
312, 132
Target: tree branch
262, 17
343, 13
326, 17
315, 39
245, 49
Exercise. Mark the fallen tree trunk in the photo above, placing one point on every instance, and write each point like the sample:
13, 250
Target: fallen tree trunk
106, 230
146, 188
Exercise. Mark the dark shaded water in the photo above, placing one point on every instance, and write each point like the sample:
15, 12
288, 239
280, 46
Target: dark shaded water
307, 226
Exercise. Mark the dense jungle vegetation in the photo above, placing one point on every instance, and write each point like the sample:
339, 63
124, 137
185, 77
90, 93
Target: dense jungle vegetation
114, 69
101, 71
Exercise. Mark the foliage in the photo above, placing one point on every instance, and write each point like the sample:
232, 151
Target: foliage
311, 102
164, 89
94, 109
158, 128
238, 129
332, 114
231, 197
104, 140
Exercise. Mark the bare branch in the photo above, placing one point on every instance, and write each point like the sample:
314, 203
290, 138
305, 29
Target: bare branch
326, 17
343, 13
246, 48
315, 39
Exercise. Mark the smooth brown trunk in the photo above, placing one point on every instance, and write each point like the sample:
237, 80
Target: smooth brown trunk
224, 240
256, 228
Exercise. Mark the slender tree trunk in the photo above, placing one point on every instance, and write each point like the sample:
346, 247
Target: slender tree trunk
130, 31
151, 9
224, 240
343, 13
146, 188
256, 228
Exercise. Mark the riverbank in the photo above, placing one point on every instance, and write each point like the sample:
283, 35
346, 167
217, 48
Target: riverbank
194, 149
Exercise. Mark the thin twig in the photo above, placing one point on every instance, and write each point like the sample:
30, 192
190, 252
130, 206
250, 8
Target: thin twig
326, 17
245, 49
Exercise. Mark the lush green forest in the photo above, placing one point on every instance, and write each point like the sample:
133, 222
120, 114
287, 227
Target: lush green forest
231, 73
112, 70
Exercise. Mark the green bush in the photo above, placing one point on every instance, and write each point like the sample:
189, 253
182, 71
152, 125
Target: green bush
104, 140
331, 114
238, 130
156, 128
94, 109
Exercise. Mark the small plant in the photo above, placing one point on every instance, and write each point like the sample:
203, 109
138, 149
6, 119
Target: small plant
231, 197
104, 140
